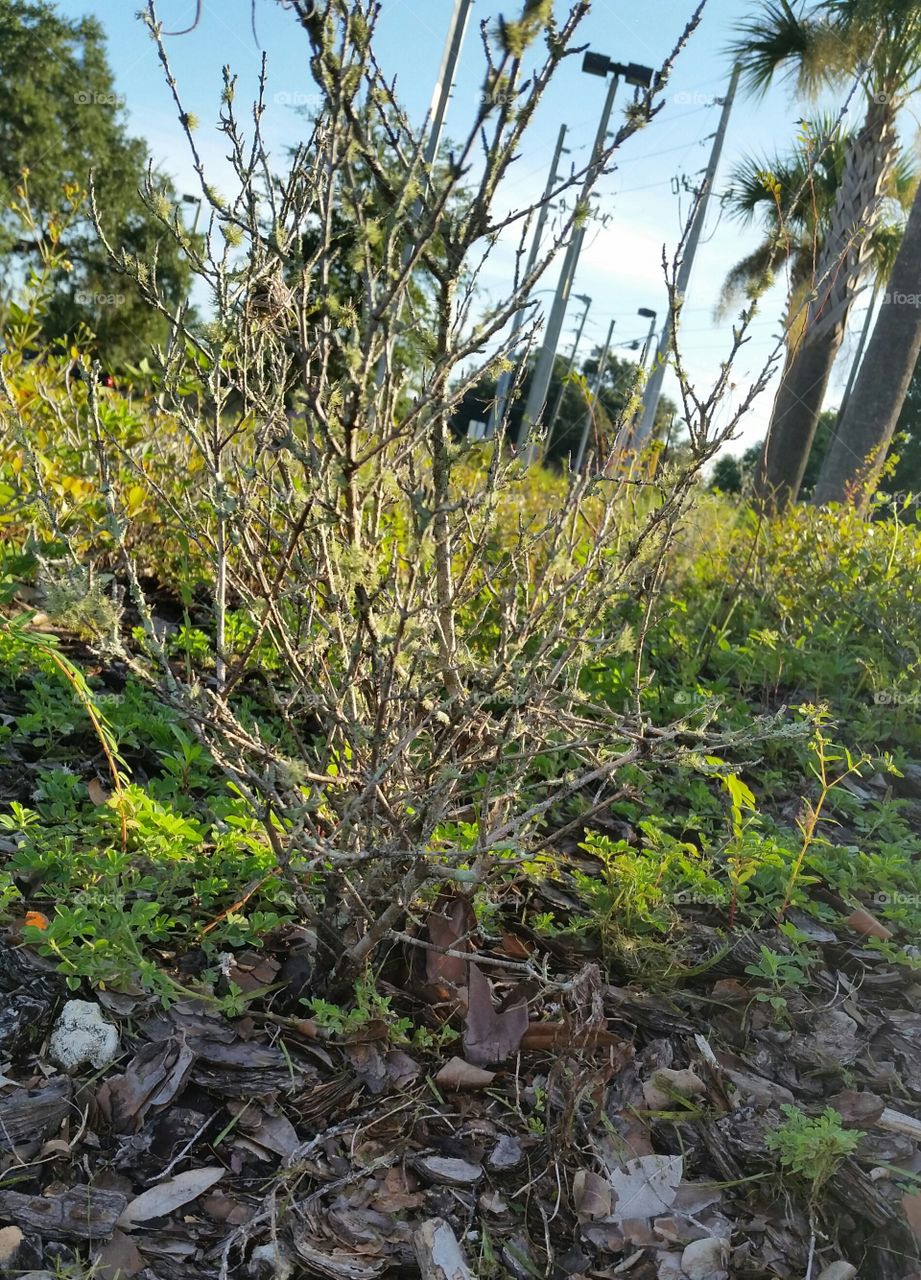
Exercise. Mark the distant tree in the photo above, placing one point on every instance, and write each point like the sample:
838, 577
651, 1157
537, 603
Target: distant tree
367, 196
731, 472
606, 418
876, 43
868, 424
727, 476
906, 476
791, 196
60, 120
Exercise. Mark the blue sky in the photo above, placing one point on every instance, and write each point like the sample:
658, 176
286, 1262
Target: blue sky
621, 265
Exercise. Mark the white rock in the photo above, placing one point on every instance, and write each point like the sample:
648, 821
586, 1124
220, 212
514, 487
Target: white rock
10, 1240
839, 1271
82, 1035
705, 1259
270, 1260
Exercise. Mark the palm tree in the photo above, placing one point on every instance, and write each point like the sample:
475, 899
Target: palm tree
832, 42
792, 196
858, 451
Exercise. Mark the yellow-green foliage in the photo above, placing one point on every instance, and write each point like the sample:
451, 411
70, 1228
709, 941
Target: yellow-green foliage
823, 605
516, 36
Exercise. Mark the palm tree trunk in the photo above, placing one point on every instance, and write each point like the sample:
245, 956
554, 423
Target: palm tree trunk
839, 271
794, 420
854, 461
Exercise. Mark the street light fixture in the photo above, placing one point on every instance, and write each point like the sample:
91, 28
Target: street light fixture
649, 315
599, 64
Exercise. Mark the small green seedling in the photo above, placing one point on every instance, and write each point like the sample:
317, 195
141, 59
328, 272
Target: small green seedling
780, 973
812, 1148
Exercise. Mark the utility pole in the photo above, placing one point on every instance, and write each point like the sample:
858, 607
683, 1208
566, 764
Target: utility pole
653, 390
503, 386
446, 77
593, 64
596, 392
858, 358
583, 297
444, 86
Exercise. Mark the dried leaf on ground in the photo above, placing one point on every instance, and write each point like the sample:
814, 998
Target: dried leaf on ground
591, 1195
119, 1259
449, 1170
911, 1207
163, 1198
98, 794
647, 1186
867, 925
449, 924
491, 1035
459, 1074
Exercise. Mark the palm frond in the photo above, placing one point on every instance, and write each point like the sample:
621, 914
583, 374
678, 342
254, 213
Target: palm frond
740, 278
778, 41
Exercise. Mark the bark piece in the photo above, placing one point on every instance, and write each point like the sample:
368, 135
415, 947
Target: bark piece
82, 1213
449, 1170
23, 1023
898, 1122
338, 1264
152, 1080
32, 1114
438, 1253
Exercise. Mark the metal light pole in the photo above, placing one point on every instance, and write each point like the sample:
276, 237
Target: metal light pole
446, 76
649, 315
497, 417
583, 297
628, 427
444, 85
596, 392
196, 200
653, 390
599, 65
